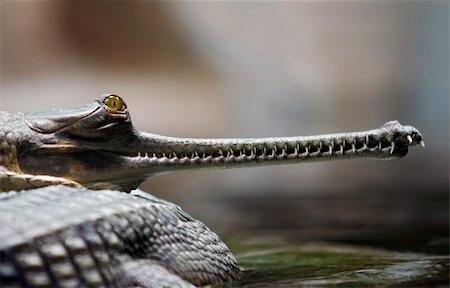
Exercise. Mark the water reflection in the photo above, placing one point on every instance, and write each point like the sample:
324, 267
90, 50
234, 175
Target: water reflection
333, 265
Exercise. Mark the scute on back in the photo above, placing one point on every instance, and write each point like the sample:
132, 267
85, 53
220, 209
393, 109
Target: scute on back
69, 236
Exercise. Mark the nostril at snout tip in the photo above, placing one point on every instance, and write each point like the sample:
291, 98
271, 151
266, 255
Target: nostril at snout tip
419, 139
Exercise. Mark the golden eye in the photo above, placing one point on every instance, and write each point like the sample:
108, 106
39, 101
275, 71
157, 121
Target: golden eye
114, 103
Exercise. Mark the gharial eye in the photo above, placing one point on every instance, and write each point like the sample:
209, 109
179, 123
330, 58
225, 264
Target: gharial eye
114, 103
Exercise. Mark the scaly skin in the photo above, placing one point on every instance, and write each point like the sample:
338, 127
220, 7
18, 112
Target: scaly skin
61, 236
96, 146
70, 237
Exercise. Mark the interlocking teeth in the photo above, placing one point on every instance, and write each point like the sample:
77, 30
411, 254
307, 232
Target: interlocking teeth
392, 147
283, 152
289, 150
274, 151
410, 140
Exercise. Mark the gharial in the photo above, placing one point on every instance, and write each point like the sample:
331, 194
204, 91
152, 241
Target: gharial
74, 236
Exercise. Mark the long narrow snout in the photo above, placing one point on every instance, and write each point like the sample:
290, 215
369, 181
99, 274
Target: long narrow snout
97, 146
159, 153
128, 158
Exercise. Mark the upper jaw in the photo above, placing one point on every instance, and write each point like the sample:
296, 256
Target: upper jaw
403, 136
127, 156
390, 141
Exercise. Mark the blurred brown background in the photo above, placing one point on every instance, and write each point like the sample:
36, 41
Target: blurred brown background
258, 69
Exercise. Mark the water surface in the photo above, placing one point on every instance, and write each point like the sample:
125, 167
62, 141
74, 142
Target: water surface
317, 264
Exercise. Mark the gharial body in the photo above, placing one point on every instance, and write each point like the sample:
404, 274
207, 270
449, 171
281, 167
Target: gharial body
55, 235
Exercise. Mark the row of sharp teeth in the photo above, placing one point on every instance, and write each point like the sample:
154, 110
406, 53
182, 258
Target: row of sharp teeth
264, 155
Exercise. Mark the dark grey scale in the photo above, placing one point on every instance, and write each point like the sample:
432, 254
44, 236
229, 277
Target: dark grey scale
110, 238
9, 272
142, 232
97, 275
57, 261
146, 232
109, 258
185, 240
124, 231
149, 235
209, 241
29, 267
78, 253
33, 269
173, 247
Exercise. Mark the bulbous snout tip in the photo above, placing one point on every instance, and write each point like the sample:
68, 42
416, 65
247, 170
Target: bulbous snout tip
409, 133
414, 137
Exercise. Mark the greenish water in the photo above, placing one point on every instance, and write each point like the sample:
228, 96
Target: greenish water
313, 264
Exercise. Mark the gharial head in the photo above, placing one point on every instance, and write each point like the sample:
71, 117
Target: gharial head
97, 146
94, 145
94, 121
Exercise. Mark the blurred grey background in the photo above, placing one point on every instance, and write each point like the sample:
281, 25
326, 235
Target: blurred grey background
245, 69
